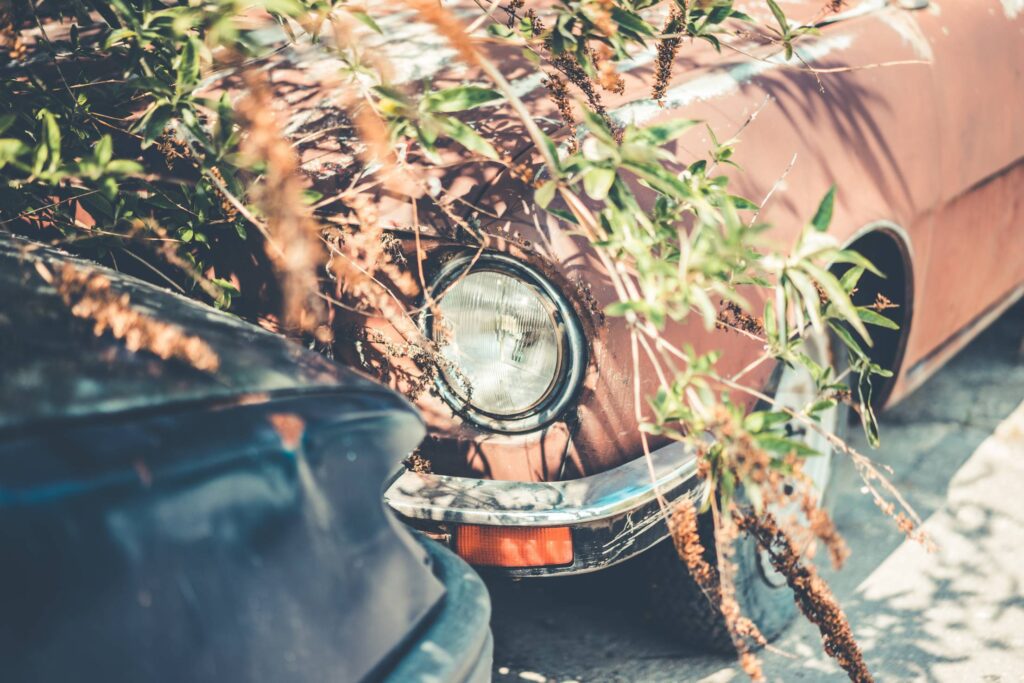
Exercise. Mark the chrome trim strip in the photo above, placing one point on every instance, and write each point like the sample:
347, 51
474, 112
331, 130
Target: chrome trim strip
598, 497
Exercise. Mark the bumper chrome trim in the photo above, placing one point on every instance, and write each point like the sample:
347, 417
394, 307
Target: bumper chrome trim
613, 515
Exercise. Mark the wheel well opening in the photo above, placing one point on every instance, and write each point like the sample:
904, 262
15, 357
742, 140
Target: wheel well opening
885, 248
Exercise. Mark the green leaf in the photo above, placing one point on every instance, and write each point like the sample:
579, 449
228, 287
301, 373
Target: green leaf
630, 21
51, 137
6, 120
780, 16
823, 216
104, 150
838, 298
545, 193
847, 339
154, 121
118, 35
564, 215
108, 188
718, 15
872, 317
769, 319
783, 446
809, 295
10, 150
743, 204
761, 420
366, 20
467, 137
124, 167
856, 258
226, 285
823, 405
552, 150
851, 278
867, 411
598, 128
597, 181
459, 98
188, 66
500, 31
666, 132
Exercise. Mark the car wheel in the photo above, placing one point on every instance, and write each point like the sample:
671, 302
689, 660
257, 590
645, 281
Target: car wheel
674, 598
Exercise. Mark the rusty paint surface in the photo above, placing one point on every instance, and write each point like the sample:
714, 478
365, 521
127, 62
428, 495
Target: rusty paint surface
934, 147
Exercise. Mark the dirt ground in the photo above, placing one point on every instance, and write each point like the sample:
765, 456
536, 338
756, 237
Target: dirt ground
956, 447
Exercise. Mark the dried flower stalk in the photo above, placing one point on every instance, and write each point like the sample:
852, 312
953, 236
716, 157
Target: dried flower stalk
811, 593
90, 296
293, 243
667, 50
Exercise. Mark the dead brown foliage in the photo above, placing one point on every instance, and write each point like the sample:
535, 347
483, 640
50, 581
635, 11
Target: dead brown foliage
291, 233
811, 593
667, 50
90, 296
716, 580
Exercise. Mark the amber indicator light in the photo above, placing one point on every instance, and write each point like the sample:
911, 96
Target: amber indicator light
496, 546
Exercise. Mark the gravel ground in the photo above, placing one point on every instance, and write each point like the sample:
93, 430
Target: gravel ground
957, 449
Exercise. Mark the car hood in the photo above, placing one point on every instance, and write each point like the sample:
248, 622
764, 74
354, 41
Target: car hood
310, 92
163, 522
53, 365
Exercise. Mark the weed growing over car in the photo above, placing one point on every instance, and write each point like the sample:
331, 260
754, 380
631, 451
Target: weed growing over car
118, 141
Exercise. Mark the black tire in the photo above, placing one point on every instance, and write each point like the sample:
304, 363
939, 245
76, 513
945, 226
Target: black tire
675, 600
677, 603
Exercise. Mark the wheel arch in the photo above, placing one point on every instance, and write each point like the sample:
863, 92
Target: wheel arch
888, 246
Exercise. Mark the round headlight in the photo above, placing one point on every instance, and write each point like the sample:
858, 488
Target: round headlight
511, 343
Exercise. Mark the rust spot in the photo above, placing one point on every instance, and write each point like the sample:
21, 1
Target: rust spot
289, 427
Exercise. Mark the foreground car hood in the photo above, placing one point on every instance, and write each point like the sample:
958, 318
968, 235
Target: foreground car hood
53, 366
161, 522
199, 546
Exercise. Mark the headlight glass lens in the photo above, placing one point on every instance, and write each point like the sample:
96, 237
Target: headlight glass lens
502, 336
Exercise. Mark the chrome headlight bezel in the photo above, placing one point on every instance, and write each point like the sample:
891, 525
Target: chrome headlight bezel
571, 344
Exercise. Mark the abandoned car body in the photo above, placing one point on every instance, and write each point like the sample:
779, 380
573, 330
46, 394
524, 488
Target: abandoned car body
539, 470
542, 472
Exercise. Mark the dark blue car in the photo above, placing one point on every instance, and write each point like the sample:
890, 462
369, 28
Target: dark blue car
160, 522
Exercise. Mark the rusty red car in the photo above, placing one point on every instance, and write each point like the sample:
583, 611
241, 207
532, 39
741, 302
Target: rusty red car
540, 472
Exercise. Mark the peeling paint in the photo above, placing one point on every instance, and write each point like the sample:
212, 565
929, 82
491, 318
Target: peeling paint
862, 9
724, 81
907, 28
1012, 8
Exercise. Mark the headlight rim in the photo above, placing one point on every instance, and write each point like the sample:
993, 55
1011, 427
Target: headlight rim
572, 344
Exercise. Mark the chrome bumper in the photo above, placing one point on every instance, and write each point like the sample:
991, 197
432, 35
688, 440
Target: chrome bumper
613, 515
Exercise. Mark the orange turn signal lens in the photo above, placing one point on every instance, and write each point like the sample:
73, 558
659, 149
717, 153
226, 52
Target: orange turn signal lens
499, 546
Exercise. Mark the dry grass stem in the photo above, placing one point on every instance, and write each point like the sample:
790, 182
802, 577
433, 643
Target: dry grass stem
90, 296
